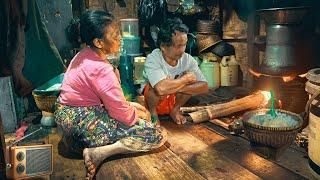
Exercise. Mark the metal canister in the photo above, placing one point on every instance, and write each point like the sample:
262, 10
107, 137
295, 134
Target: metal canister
229, 71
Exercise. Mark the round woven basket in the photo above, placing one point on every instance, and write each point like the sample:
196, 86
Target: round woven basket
275, 137
205, 26
45, 102
204, 41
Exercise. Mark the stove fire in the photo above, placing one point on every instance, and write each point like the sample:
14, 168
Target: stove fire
289, 91
287, 78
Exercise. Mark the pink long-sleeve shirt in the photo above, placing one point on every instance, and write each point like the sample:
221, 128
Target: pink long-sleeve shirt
90, 81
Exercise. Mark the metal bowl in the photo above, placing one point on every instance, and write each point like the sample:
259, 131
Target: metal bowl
290, 15
276, 137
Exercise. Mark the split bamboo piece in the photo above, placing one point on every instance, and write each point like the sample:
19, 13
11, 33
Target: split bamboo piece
256, 100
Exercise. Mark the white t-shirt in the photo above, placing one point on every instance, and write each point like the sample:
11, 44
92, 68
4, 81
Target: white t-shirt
157, 69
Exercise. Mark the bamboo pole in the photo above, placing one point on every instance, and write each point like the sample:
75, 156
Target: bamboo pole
253, 101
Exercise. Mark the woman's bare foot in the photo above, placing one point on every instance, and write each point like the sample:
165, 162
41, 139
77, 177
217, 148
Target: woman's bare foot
157, 124
177, 117
92, 160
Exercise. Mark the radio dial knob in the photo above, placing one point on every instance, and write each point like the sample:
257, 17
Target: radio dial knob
20, 156
20, 168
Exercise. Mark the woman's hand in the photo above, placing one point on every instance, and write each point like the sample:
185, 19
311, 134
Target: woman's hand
143, 113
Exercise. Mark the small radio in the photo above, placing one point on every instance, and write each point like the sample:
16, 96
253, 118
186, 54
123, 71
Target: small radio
29, 161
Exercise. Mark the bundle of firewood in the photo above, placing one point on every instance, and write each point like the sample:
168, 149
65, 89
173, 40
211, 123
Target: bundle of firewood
205, 113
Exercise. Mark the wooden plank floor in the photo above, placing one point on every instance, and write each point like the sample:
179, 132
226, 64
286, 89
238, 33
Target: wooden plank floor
193, 151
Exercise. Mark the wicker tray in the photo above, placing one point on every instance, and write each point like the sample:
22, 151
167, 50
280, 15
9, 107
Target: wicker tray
276, 137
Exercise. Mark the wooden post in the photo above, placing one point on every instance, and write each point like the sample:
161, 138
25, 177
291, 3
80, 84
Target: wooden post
2, 151
252, 49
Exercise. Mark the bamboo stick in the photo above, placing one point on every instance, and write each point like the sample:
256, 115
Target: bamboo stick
192, 109
249, 102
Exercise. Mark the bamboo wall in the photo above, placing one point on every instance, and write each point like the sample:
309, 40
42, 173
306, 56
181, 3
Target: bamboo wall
235, 33
130, 11
234, 30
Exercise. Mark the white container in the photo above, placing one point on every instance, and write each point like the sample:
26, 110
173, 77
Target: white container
211, 72
229, 71
138, 69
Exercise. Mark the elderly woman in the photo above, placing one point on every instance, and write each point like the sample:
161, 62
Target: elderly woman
91, 109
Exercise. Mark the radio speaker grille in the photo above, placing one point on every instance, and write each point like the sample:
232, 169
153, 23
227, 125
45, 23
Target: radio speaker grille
38, 161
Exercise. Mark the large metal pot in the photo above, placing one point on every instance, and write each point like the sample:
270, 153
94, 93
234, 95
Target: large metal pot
276, 137
288, 42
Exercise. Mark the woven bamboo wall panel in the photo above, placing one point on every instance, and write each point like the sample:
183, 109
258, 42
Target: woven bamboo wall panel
130, 11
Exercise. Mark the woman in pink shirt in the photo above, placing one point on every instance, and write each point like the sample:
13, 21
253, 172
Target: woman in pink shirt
91, 109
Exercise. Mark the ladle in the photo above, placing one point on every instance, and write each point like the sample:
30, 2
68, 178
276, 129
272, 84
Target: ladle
272, 111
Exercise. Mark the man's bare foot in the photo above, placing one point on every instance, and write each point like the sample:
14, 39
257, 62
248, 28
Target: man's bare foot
177, 117
91, 162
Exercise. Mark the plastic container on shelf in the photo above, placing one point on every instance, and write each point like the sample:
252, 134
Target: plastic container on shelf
211, 72
138, 69
131, 45
126, 76
129, 27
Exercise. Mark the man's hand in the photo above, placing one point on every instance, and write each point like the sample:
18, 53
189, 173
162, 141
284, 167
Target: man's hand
189, 77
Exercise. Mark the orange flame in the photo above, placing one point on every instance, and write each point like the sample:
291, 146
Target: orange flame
288, 78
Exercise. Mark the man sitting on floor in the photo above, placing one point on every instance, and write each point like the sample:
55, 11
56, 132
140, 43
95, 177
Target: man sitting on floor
173, 75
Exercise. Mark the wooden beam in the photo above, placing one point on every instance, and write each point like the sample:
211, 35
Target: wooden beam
252, 50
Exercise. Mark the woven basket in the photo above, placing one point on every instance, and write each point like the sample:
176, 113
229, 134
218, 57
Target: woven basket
205, 26
45, 102
205, 41
275, 137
